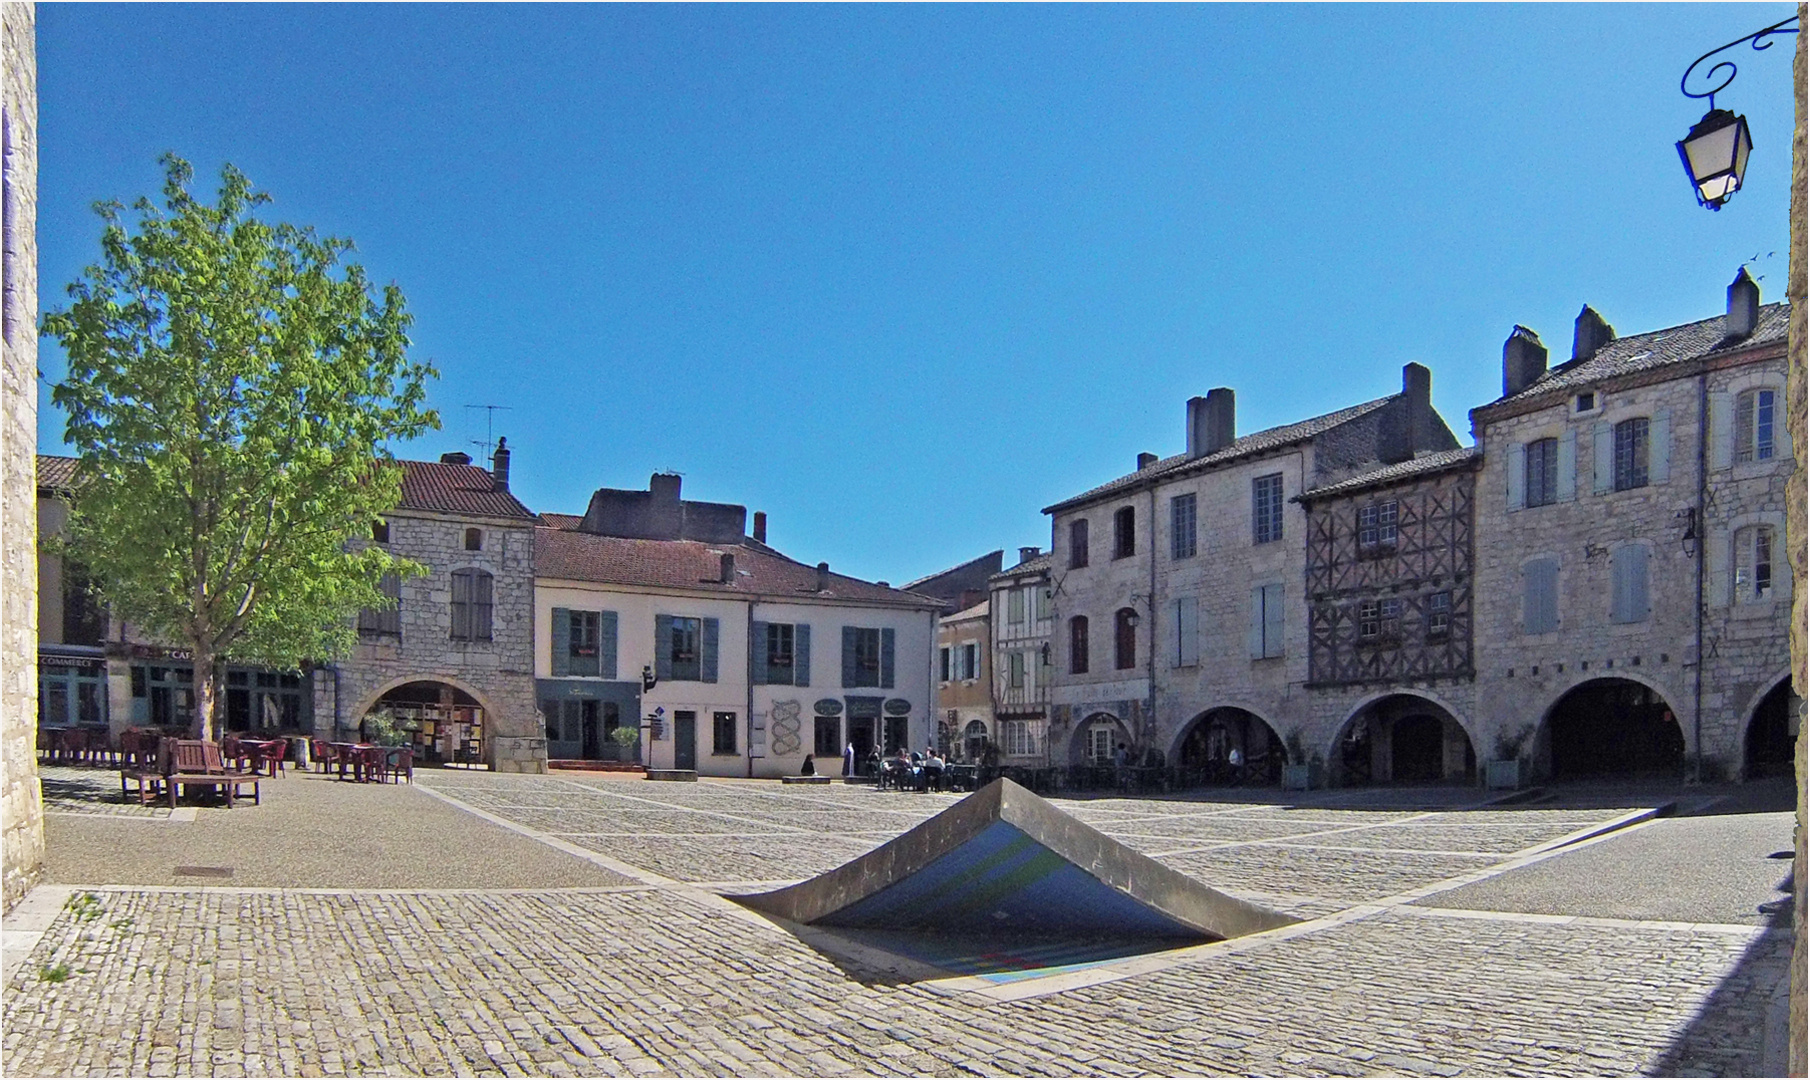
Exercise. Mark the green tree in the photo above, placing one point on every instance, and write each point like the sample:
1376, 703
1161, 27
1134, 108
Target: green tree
231, 389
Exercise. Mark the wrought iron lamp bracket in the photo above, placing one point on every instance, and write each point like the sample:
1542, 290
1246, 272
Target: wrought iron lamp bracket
1761, 39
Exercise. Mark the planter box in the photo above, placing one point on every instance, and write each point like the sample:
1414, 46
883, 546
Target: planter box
1298, 777
1503, 775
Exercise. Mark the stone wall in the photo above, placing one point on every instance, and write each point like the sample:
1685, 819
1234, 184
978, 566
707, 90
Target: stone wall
1799, 1040
21, 803
499, 673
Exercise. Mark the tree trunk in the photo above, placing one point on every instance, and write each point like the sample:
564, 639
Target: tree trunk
205, 697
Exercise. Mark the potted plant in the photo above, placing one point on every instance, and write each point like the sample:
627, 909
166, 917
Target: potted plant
626, 737
381, 729
1508, 770
1299, 773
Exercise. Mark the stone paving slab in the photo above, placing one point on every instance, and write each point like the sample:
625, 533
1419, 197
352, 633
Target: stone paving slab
1352, 876
84, 791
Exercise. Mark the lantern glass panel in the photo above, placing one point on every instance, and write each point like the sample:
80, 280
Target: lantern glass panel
1711, 153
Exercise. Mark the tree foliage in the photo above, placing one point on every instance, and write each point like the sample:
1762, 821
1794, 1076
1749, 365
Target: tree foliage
231, 388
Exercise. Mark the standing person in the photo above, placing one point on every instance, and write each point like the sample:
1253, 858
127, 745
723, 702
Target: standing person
1236, 758
848, 761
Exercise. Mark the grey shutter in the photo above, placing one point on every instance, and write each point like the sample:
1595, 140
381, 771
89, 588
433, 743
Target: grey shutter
758, 673
1603, 443
1568, 465
1781, 442
663, 646
1639, 605
848, 656
1256, 636
801, 654
1517, 476
562, 642
1272, 620
1187, 632
1722, 435
886, 659
711, 630
606, 644
1659, 447
1628, 584
484, 605
1539, 604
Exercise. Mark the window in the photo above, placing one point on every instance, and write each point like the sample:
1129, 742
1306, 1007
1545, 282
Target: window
1628, 584
1755, 414
779, 654
1586, 401
1631, 454
474, 539
1125, 639
970, 660
943, 668
1266, 622
1077, 544
1187, 631
1015, 606
380, 532
781, 640
1439, 615
1540, 596
683, 657
1753, 564
1124, 533
1181, 527
1376, 528
471, 605
828, 741
1379, 621
1077, 645
1020, 741
1542, 472
1099, 744
385, 621
722, 733
1044, 599
867, 657
84, 615
1015, 670
1266, 509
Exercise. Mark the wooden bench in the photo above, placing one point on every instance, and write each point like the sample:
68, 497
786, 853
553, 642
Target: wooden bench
682, 775
804, 779
197, 762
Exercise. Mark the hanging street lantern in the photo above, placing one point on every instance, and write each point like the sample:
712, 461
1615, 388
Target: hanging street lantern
1716, 148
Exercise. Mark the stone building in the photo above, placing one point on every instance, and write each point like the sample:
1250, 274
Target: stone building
455, 657
1390, 605
21, 803
1178, 587
964, 683
1633, 593
1023, 609
961, 586
732, 660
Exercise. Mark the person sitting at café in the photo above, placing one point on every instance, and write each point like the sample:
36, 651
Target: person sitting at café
933, 770
809, 768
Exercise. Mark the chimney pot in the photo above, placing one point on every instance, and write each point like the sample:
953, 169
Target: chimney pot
1145, 460
1212, 422
664, 487
1026, 554
1523, 360
457, 457
760, 526
823, 576
727, 569
1743, 306
1590, 333
499, 464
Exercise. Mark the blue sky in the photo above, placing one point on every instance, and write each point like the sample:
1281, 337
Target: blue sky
902, 276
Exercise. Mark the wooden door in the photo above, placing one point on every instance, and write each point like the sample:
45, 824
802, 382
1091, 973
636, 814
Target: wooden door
685, 740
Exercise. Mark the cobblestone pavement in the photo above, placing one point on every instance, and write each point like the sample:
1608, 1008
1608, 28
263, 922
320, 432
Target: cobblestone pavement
657, 974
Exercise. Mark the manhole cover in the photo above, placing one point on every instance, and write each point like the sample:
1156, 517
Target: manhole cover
204, 871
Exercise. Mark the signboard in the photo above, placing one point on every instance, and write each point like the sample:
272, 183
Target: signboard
656, 726
828, 706
897, 706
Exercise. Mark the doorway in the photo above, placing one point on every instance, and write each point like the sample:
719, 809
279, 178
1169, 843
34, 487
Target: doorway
685, 740
1419, 749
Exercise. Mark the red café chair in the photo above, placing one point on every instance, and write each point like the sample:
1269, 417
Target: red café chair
274, 752
323, 754
372, 762
400, 761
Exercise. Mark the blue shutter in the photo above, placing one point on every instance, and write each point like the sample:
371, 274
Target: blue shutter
562, 642
606, 645
1272, 620
1568, 465
663, 647
708, 650
801, 654
886, 660
1517, 476
757, 654
848, 656
1187, 632
1659, 447
1603, 441
1256, 636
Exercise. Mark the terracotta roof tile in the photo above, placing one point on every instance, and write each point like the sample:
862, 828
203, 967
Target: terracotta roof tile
56, 473
1423, 464
441, 488
1029, 566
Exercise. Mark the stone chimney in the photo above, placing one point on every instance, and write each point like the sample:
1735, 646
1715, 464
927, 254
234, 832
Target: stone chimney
1417, 395
499, 464
1590, 333
457, 457
823, 577
664, 487
726, 569
1026, 554
1743, 306
1523, 360
1212, 423
1145, 460
760, 526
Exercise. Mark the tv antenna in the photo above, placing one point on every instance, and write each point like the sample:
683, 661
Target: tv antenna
489, 425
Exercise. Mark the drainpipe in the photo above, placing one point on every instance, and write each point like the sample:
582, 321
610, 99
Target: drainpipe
748, 680
1702, 549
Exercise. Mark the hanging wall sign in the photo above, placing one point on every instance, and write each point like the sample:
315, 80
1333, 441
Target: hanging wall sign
828, 706
897, 706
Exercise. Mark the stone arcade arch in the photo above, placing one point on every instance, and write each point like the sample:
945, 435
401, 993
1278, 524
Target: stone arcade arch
451, 721
1768, 741
1203, 748
1611, 726
1085, 745
1402, 738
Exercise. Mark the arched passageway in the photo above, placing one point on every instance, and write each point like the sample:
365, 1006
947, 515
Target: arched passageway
1769, 737
1230, 746
444, 722
1609, 727
974, 741
1403, 739
1096, 738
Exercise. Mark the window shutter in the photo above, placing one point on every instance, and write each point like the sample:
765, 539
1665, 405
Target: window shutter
1568, 465
1781, 442
758, 675
886, 659
848, 656
1640, 605
606, 644
1722, 433
708, 650
663, 647
1187, 631
1602, 441
1517, 476
801, 654
1659, 448
1256, 641
1540, 599
562, 642
484, 611
1628, 580
1272, 620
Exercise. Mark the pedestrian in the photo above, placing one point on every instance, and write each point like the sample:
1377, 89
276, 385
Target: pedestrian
848, 761
1236, 760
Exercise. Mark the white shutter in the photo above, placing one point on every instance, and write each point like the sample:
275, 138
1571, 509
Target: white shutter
1187, 632
1659, 447
1272, 620
1257, 623
1517, 476
1722, 431
1540, 596
1603, 443
1717, 574
1568, 465
1781, 438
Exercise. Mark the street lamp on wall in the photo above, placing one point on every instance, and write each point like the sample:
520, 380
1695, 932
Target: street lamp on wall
1715, 150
